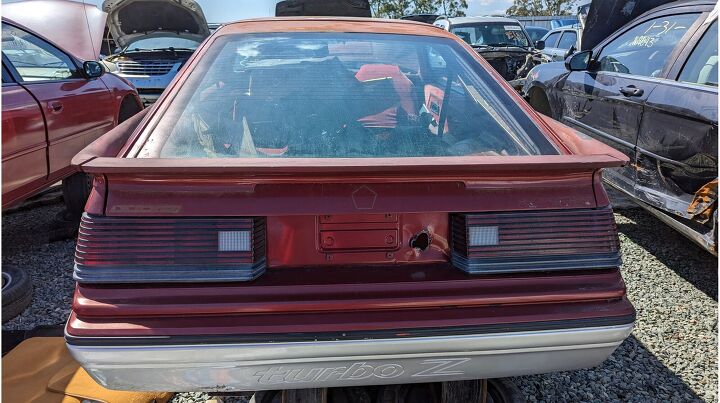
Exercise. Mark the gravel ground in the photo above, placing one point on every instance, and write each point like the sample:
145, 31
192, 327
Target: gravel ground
670, 357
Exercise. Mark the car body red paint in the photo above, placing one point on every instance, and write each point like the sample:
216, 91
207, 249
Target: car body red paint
46, 122
335, 239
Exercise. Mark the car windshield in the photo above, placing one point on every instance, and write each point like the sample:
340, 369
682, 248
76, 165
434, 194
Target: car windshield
323, 95
491, 34
162, 43
536, 33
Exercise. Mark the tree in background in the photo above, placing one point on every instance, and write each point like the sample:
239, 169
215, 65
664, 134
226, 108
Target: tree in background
398, 8
452, 8
540, 7
390, 8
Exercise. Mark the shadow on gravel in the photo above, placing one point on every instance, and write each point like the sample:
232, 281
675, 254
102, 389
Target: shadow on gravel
640, 376
678, 253
26, 233
631, 374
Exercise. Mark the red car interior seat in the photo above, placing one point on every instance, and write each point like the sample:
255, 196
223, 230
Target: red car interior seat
403, 88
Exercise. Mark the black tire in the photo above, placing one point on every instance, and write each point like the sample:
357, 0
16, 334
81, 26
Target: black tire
334, 395
76, 190
502, 390
16, 291
128, 108
499, 391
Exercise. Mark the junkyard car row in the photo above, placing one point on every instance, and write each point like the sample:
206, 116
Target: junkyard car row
336, 202
650, 91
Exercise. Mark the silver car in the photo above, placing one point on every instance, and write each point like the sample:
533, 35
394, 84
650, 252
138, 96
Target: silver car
560, 42
155, 38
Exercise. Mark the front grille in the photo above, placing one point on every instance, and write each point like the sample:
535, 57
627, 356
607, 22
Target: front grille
536, 241
507, 66
111, 250
146, 67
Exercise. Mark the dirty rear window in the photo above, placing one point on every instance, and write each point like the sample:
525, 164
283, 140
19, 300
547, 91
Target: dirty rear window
325, 95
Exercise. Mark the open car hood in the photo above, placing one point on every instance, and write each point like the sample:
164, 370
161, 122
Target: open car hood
75, 27
607, 16
130, 20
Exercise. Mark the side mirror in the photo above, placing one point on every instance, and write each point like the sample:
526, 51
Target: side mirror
539, 44
93, 69
579, 61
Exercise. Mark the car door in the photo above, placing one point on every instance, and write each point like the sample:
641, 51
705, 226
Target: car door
551, 41
677, 145
77, 110
607, 101
24, 147
567, 40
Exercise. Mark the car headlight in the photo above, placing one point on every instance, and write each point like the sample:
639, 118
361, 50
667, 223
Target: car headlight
110, 67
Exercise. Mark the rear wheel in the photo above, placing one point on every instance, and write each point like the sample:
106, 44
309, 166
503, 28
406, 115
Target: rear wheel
498, 391
334, 395
76, 189
128, 108
539, 101
16, 291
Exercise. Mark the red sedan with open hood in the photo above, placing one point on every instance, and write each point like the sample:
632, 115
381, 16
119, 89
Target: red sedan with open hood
55, 98
327, 202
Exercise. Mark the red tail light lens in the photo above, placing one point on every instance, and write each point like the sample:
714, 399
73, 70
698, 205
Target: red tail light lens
117, 250
535, 241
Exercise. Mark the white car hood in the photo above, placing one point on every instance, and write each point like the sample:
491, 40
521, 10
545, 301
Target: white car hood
75, 27
130, 20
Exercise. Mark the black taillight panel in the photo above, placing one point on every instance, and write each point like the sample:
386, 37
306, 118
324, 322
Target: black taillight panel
524, 241
169, 250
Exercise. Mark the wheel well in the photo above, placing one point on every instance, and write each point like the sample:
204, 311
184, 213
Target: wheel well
128, 107
540, 102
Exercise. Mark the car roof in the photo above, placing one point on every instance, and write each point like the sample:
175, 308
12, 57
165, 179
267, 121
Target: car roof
701, 5
469, 20
333, 24
682, 3
564, 28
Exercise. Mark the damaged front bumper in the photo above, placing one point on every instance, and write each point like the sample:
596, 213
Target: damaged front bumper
156, 364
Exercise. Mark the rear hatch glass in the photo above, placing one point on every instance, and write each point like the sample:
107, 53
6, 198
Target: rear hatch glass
340, 95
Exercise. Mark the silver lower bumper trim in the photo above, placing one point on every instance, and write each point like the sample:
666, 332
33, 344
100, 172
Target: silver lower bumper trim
264, 366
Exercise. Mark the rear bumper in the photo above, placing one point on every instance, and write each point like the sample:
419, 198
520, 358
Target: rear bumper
338, 363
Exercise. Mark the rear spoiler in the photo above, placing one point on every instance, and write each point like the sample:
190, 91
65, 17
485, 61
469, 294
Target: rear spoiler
101, 156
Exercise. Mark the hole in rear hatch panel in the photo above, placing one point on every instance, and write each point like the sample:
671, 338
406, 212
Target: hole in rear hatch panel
421, 241
355, 239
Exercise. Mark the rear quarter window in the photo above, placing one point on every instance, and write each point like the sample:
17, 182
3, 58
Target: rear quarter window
702, 65
552, 39
337, 95
568, 40
644, 49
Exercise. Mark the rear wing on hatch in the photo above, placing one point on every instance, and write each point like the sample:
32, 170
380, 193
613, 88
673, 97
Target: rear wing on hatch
584, 153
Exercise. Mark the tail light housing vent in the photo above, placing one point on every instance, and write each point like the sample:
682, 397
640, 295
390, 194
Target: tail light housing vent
169, 250
484, 243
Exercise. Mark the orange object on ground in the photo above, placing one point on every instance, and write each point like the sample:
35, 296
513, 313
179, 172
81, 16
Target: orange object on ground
41, 370
705, 202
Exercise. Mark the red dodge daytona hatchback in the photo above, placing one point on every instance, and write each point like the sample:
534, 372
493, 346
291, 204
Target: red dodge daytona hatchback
324, 202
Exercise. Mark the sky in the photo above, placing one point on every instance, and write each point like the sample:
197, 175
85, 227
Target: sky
230, 10
487, 7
